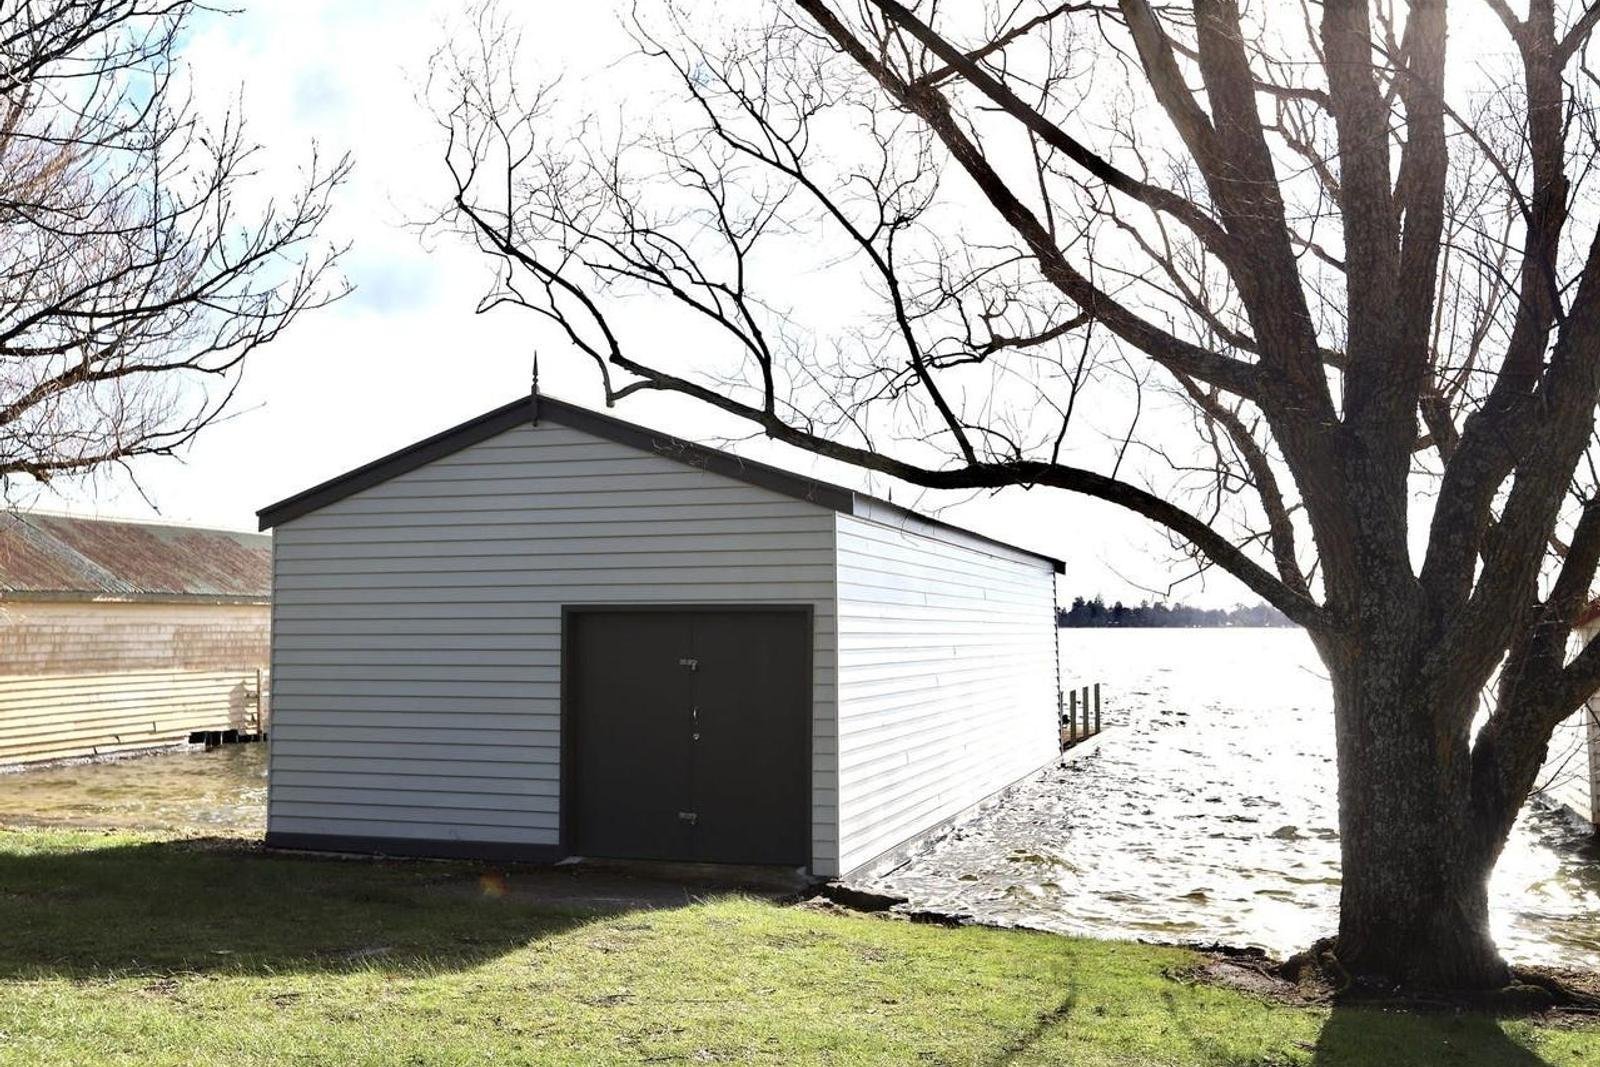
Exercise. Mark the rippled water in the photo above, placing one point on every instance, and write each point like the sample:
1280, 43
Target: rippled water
223, 791
1207, 812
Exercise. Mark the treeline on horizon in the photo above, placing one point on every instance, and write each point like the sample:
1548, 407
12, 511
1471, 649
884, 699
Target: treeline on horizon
1096, 613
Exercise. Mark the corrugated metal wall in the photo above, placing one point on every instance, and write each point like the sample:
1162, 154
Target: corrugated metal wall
947, 671
83, 679
417, 626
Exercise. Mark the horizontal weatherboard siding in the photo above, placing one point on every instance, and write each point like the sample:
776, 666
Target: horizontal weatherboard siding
417, 637
947, 679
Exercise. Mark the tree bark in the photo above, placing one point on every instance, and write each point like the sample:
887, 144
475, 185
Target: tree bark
1414, 902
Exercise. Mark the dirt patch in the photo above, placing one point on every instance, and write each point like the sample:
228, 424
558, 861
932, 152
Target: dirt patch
162, 987
855, 898
943, 918
838, 898
1259, 978
825, 906
1314, 977
1250, 970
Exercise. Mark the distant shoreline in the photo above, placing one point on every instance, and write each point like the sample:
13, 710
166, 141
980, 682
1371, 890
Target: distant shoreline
1176, 626
1094, 614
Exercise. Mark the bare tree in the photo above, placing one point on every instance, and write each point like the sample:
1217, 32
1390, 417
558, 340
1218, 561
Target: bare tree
1336, 291
138, 266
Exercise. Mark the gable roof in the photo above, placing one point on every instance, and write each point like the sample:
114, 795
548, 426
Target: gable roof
523, 410
63, 557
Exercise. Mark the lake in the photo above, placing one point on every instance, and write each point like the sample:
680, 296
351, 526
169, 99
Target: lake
221, 792
1208, 812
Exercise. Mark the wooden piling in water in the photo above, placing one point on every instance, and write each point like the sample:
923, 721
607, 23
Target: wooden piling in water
1074, 728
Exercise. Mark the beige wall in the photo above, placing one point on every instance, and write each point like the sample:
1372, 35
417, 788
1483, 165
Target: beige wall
50, 637
82, 679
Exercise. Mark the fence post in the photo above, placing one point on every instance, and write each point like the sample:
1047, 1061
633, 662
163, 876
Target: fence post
1097, 707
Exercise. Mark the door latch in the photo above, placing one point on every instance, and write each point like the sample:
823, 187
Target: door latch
689, 817
692, 664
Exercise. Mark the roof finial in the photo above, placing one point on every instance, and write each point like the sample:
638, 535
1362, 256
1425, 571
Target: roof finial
535, 389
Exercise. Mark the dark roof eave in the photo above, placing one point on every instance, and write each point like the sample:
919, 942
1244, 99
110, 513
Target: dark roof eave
879, 504
508, 416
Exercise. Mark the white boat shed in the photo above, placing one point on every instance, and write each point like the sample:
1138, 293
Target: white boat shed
550, 633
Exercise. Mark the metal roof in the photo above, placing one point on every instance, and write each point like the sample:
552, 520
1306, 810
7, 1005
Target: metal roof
62, 557
526, 409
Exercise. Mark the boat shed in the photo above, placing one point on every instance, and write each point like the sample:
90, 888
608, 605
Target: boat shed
117, 636
549, 633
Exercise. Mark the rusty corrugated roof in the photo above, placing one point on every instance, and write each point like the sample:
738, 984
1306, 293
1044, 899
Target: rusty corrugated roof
64, 557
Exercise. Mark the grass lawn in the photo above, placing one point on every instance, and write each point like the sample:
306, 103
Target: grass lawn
117, 948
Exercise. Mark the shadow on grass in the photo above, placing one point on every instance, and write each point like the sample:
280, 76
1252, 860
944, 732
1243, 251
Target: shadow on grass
209, 907
1363, 1037
1350, 1036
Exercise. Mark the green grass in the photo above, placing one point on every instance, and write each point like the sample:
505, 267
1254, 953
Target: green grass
116, 948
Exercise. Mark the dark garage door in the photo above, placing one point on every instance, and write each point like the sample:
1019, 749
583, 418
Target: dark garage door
690, 735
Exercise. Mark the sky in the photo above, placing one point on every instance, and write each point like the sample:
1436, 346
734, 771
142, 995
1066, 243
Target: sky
405, 355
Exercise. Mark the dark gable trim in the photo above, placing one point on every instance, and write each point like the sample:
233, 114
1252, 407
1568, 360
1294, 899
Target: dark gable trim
501, 419
927, 520
409, 458
687, 452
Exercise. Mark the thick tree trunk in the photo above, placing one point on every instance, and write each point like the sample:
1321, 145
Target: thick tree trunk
1414, 907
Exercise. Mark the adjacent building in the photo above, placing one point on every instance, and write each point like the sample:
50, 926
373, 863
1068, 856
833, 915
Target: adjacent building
121, 636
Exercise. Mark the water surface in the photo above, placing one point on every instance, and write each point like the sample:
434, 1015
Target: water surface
190, 791
1208, 813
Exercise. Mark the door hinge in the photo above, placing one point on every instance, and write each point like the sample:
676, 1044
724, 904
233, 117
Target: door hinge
689, 817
